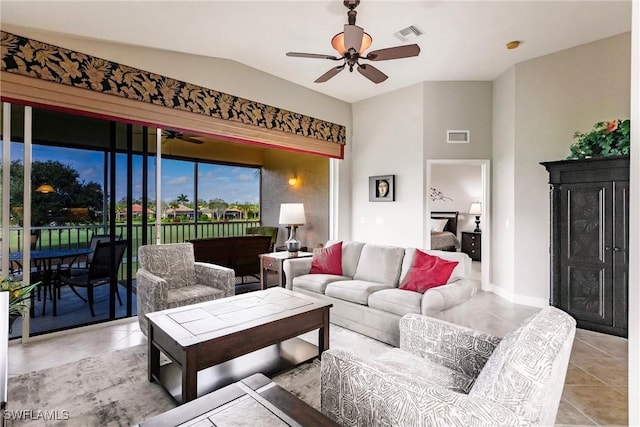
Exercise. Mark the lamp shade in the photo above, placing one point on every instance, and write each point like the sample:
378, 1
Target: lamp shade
475, 209
338, 43
292, 214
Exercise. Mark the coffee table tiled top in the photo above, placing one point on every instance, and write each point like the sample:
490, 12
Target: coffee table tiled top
214, 343
209, 319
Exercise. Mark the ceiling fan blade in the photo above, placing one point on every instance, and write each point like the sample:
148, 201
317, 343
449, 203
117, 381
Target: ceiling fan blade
170, 134
353, 37
332, 72
311, 55
190, 140
394, 53
372, 73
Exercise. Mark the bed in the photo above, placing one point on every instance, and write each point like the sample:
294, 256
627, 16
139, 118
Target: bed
444, 231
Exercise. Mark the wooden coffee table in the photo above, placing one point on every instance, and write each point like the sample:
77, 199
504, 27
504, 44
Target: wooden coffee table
253, 401
215, 343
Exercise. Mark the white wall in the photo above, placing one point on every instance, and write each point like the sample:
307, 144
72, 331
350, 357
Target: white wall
557, 95
387, 140
634, 225
502, 279
397, 133
457, 106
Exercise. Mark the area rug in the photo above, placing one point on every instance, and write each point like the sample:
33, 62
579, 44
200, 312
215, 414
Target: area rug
113, 390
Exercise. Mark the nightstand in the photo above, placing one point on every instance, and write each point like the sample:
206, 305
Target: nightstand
273, 262
472, 244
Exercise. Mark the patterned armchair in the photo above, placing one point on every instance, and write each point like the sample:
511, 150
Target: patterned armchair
168, 276
447, 375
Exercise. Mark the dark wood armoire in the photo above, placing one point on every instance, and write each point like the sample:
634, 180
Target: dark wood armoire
589, 241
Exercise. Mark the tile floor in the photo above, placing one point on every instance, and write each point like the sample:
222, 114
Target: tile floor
595, 391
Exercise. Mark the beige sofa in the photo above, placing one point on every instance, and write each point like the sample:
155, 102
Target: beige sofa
366, 298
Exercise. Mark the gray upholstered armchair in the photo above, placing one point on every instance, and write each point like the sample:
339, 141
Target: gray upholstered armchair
168, 276
447, 375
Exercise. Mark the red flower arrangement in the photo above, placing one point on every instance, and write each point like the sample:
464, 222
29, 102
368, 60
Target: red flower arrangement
606, 139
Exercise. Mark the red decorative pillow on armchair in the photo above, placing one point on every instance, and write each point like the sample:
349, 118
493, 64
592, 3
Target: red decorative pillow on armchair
426, 272
327, 260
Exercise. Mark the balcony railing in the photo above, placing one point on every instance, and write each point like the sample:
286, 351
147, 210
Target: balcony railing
79, 236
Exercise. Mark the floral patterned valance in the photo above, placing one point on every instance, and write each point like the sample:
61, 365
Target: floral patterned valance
23, 56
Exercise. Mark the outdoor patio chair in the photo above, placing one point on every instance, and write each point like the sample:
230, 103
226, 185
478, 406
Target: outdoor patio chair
84, 268
99, 272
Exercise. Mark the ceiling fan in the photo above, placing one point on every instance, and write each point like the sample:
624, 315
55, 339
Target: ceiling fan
168, 135
351, 44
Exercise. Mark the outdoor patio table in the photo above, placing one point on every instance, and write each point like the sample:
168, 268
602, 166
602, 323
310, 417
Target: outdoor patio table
47, 256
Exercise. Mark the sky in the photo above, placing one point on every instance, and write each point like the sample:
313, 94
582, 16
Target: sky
229, 183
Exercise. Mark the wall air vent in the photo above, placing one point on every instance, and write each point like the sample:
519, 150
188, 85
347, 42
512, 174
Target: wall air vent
458, 136
408, 33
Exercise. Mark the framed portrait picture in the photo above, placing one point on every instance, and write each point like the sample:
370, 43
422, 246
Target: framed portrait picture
382, 188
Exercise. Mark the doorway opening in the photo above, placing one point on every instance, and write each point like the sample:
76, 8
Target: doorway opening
459, 185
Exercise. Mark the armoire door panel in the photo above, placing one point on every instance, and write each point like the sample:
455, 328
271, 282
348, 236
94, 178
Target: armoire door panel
588, 297
621, 253
586, 207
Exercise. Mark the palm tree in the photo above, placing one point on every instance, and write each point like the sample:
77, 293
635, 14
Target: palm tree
182, 199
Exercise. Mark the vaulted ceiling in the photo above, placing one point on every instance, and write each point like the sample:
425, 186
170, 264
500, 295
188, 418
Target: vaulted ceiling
461, 40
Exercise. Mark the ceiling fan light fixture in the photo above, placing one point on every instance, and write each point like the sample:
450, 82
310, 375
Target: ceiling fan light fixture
338, 43
45, 189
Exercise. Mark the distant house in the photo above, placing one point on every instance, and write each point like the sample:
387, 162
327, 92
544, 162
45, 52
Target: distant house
181, 210
136, 212
205, 212
232, 213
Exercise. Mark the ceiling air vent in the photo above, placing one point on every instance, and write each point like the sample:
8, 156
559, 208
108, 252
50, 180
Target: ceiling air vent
408, 33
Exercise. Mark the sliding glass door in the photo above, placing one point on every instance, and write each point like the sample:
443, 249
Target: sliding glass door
75, 169
91, 179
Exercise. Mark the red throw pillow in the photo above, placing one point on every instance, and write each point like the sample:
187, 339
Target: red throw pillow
327, 260
426, 272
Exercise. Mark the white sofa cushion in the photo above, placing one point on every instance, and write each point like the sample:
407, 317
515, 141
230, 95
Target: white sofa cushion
396, 301
462, 270
350, 256
357, 291
316, 282
380, 264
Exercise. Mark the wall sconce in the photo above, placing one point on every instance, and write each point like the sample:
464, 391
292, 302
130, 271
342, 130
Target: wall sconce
293, 180
45, 189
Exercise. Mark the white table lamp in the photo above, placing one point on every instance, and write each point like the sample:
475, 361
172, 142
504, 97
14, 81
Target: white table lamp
476, 209
292, 215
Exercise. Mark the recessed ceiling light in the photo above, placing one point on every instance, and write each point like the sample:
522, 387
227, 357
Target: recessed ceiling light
513, 44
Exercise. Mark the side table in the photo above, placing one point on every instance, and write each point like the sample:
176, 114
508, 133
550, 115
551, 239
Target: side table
283, 248
273, 262
472, 244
